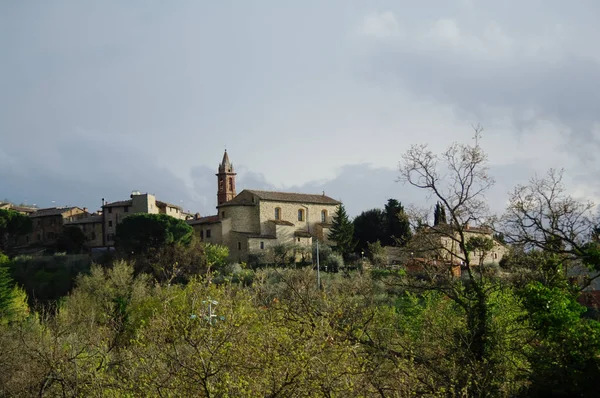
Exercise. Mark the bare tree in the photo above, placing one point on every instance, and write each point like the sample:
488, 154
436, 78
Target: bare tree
458, 179
543, 216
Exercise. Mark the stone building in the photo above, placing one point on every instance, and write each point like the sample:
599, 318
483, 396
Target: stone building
25, 210
91, 227
254, 221
113, 213
48, 224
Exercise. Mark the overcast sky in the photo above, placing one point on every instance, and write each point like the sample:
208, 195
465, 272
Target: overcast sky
101, 98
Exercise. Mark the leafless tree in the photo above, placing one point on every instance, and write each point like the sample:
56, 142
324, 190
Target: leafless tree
542, 215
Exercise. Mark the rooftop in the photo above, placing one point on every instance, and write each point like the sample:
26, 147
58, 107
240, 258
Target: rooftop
86, 220
204, 220
52, 211
291, 197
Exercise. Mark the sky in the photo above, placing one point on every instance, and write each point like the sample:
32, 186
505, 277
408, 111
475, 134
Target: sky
101, 98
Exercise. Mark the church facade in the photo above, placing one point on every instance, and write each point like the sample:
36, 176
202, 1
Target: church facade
254, 221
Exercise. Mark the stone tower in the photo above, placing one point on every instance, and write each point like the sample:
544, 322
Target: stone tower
225, 181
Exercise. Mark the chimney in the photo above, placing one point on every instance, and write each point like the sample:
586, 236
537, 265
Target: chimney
102, 202
323, 193
197, 216
85, 209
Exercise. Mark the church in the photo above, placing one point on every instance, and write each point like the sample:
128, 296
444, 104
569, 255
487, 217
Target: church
254, 221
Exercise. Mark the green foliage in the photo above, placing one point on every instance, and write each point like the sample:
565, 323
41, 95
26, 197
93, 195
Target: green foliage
398, 227
329, 260
342, 233
71, 240
565, 355
12, 225
143, 233
370, 226
376, 254
13, 300
216, 256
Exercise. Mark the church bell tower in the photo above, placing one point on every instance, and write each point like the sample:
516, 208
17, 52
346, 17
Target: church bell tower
225, 181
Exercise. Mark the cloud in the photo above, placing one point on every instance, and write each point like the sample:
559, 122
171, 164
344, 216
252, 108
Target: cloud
381, 25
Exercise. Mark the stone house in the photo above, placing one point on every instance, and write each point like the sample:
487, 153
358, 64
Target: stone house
255, 221
113, 213
48, 224
91, 227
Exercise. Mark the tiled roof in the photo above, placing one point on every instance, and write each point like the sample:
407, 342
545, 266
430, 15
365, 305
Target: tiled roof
52, 211
119, 203
204, 220
294, 197
242, 200
258, 236
282, 222
86, 220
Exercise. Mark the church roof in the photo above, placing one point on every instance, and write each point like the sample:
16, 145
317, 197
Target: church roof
294, 197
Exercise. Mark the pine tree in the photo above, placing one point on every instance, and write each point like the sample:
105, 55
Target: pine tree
342, 233
398, 227
439, 214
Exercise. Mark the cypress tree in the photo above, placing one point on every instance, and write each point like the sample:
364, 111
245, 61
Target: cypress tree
342, 233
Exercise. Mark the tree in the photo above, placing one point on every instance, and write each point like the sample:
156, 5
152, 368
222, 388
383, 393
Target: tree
342, 233
13, 300
439, 214
71, 240
12, 225
370, 226
144, 233
458, 179
397, 230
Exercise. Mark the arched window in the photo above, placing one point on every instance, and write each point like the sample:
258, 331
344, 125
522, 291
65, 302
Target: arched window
278, 213
300, 214
221, 185
323, 215
230, 184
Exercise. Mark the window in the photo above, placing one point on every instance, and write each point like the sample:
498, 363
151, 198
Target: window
202, 234
298, 239
262, 245
277, 213
222, 214
208, 233
221, 185
300, 214
110, 237
323, 215
126, 210
110, 209
93, 235
495, 255
239, 245
110, 223
230, 184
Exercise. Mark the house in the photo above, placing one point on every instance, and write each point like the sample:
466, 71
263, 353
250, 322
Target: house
113, 213
26, 210
253, 220
91, 227
48, 224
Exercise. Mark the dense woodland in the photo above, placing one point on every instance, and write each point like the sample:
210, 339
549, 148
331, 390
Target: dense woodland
169, 316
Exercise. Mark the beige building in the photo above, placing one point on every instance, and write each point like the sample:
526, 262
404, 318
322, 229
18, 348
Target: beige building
255, 221
91, 227
48, 224
26, 210
113, 213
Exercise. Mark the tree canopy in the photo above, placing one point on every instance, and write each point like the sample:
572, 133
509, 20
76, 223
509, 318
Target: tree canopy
12, 225
342, 233
142, 233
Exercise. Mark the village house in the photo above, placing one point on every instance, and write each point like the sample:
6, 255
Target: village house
25, 210
113, 213
255, 221
91, 226
48, 224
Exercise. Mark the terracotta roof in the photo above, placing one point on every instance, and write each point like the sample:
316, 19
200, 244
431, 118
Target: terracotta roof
120, 203
204, 220
281, 222
86, 220
52, 211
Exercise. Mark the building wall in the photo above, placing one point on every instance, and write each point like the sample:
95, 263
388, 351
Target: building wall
492, 257
202, 232
92, 232
45, 230
289, 212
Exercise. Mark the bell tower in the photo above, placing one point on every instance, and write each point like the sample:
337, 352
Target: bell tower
225, 181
